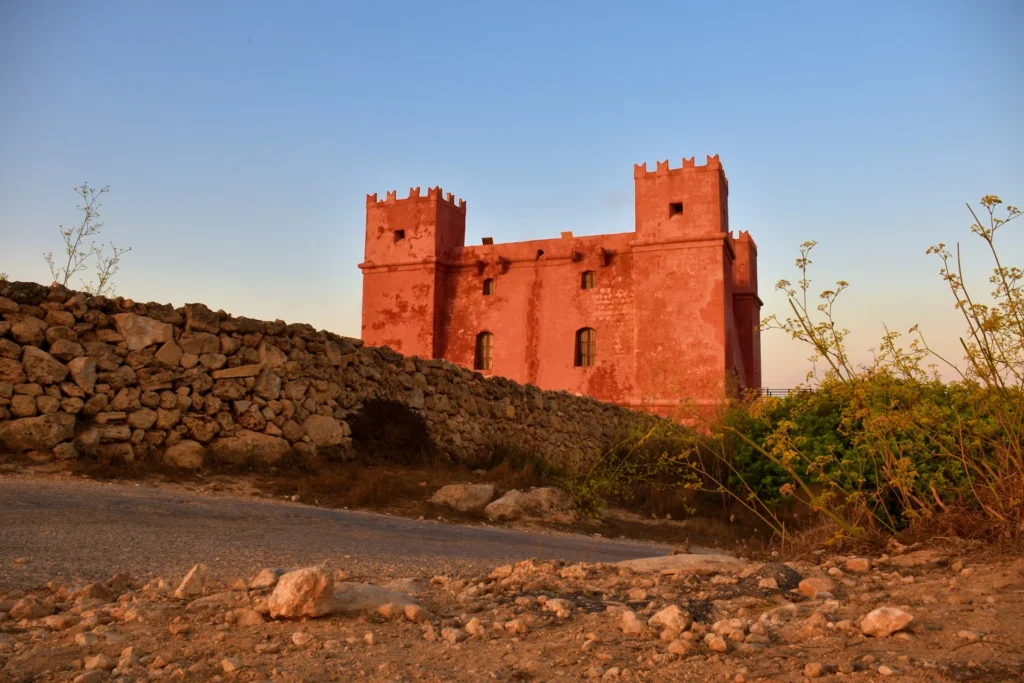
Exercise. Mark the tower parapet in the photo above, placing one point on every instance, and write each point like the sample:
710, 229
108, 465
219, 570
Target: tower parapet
433, 194
689, 202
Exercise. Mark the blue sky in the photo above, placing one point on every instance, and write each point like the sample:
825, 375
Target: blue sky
240, 138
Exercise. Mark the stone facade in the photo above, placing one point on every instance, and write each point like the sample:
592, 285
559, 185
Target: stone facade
124, 380
670, 310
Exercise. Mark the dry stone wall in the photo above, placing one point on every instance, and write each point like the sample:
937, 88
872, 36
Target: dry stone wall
92, 376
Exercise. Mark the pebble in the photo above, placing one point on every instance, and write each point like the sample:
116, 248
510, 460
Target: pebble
100, 662
229, 664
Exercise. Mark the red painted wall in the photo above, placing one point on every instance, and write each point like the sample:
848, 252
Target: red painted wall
674, 305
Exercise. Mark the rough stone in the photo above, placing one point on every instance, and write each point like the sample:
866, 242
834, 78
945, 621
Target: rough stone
813, 585
140, 331
41, 367
543, 502
240, 371
169, 354
323, 430
31, 607
36, 433
249, 447
65, 350
469, 498
198, 580
884, 621
83, 372
305, 592
201, 319
144, 418
26, 329
354, 598
670, 618
186, 454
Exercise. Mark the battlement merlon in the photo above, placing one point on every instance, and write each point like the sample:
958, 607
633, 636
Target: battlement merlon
744, 237
434, 194
689, 166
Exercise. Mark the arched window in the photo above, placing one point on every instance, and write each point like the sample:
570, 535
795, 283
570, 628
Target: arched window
586, 347
489, 286
587, 280
484, 349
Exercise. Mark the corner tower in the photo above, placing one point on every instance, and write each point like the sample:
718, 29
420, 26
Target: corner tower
683, 258
408, 242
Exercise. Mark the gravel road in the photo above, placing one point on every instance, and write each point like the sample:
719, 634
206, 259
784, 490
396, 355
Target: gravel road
85, 531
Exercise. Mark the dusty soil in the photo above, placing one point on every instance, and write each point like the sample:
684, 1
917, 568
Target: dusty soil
546, 621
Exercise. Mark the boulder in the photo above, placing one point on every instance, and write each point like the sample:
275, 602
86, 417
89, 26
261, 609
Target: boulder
305, 592
139, 331
186, 454
41, 367
36, 433
551, 503
324, 430
249, 447
471, 498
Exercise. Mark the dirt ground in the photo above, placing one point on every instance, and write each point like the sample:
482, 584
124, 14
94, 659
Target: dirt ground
957, 608
546, 621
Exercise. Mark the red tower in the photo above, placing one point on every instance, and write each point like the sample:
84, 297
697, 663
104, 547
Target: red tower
644, 319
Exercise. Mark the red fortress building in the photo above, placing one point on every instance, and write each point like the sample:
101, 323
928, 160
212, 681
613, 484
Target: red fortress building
643, 319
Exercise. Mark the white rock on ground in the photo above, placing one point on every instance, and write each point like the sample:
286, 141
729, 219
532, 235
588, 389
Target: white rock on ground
884, 621
305, 592
546, 502
671, 618
198, 579
469, 498
353, 598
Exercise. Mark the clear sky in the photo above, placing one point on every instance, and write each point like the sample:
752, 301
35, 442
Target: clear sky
240, 138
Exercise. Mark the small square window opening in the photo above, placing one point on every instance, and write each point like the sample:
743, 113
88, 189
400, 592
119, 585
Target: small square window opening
675, 209
587, 280
399, 235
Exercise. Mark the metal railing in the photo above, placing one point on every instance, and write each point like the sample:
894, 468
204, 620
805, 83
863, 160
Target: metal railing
781, 393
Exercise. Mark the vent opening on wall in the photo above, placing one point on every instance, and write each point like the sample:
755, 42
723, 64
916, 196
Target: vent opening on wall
488, 240
675, 209
399, 235
489, 286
